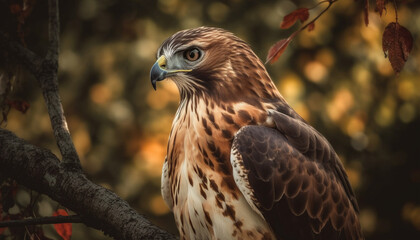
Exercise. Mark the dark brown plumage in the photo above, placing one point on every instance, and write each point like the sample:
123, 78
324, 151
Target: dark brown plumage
241, 163
298, 183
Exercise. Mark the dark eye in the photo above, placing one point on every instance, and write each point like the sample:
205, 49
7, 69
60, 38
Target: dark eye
192, 54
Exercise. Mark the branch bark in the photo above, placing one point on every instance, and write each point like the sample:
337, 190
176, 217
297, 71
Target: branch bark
40, 170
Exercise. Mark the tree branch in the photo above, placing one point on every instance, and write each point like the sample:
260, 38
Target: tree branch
40, 170
42, 220
47, 77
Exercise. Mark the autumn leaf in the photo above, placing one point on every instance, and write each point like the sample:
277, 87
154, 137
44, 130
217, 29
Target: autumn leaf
278, 48
19, 105
15, 8
63, 229
311, 26
301, 14
366, 12
1, 229
6, 218
380, 6
397, 43
24, 11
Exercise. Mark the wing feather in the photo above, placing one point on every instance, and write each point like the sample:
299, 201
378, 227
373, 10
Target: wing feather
291, 176
165, 186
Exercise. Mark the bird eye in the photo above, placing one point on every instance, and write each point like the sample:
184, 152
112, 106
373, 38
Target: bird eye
192, 54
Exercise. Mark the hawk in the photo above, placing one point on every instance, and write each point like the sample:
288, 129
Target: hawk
241, 163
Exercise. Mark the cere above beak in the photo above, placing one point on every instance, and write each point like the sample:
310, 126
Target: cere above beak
158, 72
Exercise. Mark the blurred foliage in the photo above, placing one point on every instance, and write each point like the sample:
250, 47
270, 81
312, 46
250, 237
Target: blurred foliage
336, 77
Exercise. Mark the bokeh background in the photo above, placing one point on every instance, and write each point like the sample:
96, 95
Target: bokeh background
336, 77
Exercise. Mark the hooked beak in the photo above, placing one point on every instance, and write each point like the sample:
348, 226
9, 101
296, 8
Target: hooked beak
158, 72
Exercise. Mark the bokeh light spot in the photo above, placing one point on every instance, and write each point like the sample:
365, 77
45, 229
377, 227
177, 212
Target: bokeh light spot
120, 112
340, 104
100, 93
303, 111
218, 11
359, 141
355, 125
407, 112
146, 48
168, 6
82, 142
157, 100
354, 177
315, 71
316, 101
406, 89
151, 156
326, 57
368, 219
291, 87
157, 205
411, 212
384, 116
166, 92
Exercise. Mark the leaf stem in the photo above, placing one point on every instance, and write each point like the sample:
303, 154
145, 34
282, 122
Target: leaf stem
396, 11
330, 2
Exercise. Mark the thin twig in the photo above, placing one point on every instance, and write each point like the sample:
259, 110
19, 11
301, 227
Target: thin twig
319, 15
319, 3
41, 220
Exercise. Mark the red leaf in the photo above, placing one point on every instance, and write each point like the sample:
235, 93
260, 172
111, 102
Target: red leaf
380, 6
366, 11
63, 229
311, 26
19, 105
278, 48
397, 43
301, 13
15, 8
6, 218
1, 211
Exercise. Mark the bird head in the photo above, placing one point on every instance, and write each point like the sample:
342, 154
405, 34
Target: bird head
210, 61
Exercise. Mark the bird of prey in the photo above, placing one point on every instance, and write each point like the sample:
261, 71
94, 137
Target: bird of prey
241, 163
